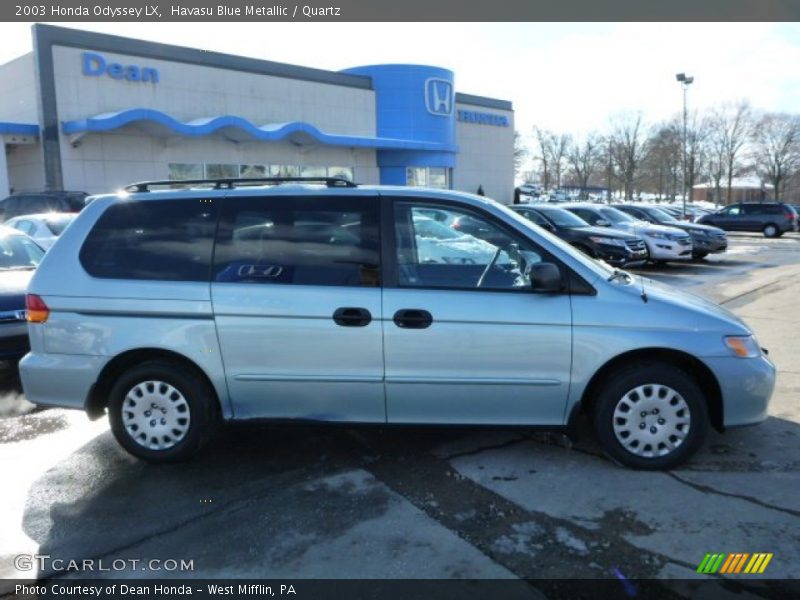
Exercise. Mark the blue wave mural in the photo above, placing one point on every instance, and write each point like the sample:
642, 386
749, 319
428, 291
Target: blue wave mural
239, 125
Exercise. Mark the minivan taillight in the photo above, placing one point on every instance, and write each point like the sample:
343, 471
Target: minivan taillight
37, 309
789, 214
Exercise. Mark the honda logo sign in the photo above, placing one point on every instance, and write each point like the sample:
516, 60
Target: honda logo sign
439, 97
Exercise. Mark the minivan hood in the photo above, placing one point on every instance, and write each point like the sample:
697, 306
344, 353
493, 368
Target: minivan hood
659, 292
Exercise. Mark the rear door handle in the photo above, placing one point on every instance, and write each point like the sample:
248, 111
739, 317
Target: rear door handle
413, 318
349, 316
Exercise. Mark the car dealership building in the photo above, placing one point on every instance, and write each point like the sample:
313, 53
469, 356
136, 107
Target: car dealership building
93, 112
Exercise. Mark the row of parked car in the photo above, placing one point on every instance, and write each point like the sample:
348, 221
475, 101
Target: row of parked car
632, 234
31, 223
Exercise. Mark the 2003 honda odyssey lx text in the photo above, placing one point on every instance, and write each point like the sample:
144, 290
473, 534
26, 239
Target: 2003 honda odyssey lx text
236, 300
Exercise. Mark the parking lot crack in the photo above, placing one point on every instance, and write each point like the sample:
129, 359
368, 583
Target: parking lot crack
482, 449
705, 489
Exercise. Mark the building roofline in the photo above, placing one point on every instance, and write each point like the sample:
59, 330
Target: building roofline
484, 101
90, 40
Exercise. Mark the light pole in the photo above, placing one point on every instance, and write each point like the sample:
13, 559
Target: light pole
685, 81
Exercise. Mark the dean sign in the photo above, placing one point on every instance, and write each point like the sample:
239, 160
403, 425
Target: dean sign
95, 65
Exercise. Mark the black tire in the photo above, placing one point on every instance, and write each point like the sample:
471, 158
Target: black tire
771, 230
624, 381
199, 396
699, 255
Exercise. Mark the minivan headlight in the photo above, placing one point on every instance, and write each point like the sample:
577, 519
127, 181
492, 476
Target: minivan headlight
607, 240
743, 346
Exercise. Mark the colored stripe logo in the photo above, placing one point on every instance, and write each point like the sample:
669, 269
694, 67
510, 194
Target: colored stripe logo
738, 562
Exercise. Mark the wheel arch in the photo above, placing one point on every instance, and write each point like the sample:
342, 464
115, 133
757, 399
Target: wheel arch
97, 399
699, 371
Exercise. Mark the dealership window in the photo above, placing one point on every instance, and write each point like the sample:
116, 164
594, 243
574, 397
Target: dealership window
178, 171
313, 171
341, 172
434, 177
308, 241
162, 240
220, 171
253, 171
284, 171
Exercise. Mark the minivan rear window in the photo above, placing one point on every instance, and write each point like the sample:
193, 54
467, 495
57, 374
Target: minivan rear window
300, 241
162, 240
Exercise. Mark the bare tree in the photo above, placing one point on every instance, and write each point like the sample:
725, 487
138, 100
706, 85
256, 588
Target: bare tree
627, 147
697, 133
662, 162
776, 149
729, 129
559, 146
543, 138
520, 153
585, 158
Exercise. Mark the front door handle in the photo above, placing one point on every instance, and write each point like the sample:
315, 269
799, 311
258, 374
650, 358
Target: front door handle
349, 316
413, 318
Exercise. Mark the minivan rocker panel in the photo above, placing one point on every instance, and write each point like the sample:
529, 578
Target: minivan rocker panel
425, 354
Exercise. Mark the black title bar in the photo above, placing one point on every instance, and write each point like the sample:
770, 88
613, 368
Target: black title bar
401, 10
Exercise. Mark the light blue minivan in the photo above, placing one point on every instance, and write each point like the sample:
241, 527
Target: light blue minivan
326, 301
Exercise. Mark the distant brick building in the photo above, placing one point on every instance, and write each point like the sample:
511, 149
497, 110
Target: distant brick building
743, 189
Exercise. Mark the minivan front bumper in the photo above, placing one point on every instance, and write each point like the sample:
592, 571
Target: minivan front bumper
747, 385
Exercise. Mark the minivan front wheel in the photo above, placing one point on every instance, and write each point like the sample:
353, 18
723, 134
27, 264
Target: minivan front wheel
651, 416
162, 412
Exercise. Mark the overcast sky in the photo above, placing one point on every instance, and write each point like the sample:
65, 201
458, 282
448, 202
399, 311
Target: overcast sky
566, 77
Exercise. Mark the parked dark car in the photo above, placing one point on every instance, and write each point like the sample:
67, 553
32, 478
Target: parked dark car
614, 247
705, 238
41, 202
19, 257
772, 218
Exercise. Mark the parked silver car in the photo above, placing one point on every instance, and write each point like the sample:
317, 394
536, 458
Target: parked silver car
172, 321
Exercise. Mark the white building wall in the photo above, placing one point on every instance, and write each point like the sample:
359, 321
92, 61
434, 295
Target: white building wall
187, 92
18, 97
486, 156
25, 168
101, 162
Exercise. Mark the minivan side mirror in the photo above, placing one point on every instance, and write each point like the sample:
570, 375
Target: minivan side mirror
546, 277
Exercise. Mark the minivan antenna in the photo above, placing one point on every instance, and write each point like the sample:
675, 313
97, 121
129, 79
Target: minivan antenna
644, 294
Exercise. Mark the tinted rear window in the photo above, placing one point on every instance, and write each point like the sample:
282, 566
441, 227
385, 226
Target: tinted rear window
300, 241
163, 240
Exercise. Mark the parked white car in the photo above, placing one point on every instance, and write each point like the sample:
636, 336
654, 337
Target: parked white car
663, 243
44, 228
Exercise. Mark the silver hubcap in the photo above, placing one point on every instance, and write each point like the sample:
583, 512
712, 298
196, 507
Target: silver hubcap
651, 420
155, 415
770, 231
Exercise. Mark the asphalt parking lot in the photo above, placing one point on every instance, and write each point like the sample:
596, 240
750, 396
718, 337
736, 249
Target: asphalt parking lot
427, 503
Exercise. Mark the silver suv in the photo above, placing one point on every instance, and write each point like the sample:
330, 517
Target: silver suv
174, 310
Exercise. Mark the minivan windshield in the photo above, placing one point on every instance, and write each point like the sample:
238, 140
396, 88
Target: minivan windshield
563, 218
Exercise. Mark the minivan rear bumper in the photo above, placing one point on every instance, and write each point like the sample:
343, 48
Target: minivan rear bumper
62, 380
747, 385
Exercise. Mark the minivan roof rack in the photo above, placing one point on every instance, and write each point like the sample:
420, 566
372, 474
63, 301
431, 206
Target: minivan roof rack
230, 183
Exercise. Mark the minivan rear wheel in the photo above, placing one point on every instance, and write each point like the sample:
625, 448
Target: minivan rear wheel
650, 416
771, 230
162, 411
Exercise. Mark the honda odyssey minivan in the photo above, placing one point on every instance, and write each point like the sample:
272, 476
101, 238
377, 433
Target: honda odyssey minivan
175, 310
